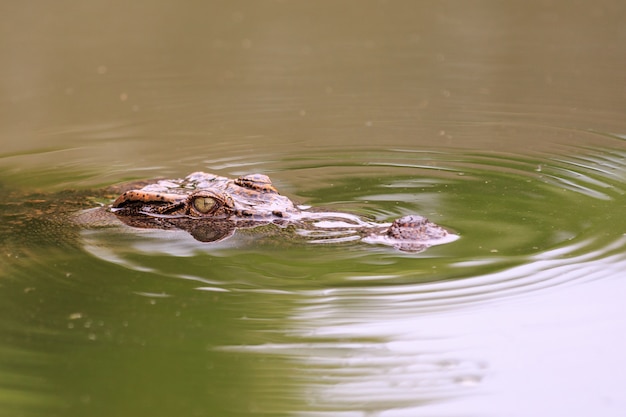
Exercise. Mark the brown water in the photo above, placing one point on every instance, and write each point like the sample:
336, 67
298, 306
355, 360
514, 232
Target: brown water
503, 121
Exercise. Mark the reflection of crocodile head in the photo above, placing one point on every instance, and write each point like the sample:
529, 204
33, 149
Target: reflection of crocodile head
211, 208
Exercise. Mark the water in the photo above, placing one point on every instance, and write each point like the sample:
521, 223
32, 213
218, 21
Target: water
501, 122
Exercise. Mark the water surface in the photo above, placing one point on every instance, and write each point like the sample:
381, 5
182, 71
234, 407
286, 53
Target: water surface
502, 122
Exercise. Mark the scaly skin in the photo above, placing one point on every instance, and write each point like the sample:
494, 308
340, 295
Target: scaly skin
211, 208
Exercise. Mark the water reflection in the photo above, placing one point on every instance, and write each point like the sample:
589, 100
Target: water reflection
374, 330
345, 326
338, 377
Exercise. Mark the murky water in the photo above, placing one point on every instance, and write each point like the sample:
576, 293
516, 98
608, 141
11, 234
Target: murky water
503, 122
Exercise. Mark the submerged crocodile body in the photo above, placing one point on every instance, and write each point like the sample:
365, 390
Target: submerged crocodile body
211, 208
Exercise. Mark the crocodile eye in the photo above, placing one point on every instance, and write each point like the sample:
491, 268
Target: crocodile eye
204, 204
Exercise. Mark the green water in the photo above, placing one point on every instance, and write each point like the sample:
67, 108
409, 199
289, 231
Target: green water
126, 321
502, 122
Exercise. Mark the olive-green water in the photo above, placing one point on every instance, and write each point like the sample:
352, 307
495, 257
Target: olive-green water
503, 121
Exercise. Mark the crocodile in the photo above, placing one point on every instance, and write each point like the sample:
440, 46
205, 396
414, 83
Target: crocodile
208, 207
212, 208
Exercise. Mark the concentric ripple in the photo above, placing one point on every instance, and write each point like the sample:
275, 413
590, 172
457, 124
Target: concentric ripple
322, 326
387, 330
523, 221
403, 332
